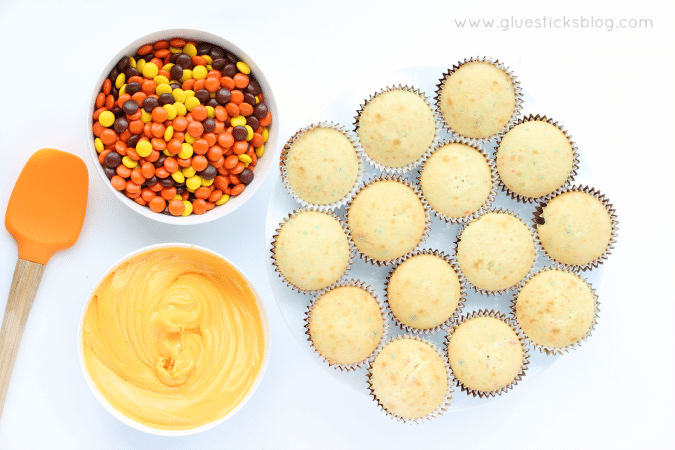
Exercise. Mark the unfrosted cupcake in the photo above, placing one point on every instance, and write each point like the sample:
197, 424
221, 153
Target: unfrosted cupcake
577, 227
396, 127
495, 251
478, 98
321, 165
387, 219
311, 250
535, 158
425, 291
346, 324
410, 379
458, 179
556, 309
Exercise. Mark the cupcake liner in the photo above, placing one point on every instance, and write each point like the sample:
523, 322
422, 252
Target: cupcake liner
343, 225
385, 324
575, 164
539, 220
493, 171
417, 162
516, 88
462, 293
537, 250
359, 155
445, 404
544, 348
526, 355
427, 218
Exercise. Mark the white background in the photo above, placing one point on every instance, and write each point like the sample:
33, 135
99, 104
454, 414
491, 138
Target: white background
613, 90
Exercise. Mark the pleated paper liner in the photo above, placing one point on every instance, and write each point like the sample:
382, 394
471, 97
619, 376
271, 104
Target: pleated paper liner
516, 89
402, 169
427, 215
442, 407
385, 324
462, 293
493, 171
536, 243
359, 155
548, 350
539, 220
573, 172
526, 356
343, 226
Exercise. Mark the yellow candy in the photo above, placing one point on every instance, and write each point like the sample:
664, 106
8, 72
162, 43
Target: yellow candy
222, 200
163, 89
238, 120
119, 81
175, 50
259, 151
166, 152
199, 72
186, 151
130, 163
189, 93
145, 116
189, 172
250, 132
161, 79
179, 95
167, 67
205, 182
177, 197
189, 139
98, 145
180, 108
143, 148
210, 111
132, 62
140, 64
245, 159
191, 102
190, 50
106, 118
187, 74
265, 134
188, 208
171, 111
123, 89
243, 68
207, 58
178, 176
150, 70
193, 182
168, 133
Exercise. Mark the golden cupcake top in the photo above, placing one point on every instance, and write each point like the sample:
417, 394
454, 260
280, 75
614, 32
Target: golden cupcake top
534, 158
555, 308
396, 127
456, 180
345, 325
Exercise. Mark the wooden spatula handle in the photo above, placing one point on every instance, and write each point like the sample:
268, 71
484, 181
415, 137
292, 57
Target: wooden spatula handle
27, 276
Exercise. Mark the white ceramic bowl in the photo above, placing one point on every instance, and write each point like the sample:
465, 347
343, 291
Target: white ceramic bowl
263, 165
140, 426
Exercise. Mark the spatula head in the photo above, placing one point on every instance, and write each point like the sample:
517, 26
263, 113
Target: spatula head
46, 209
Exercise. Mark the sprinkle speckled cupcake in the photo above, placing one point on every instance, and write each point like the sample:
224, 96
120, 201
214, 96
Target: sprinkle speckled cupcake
387, 219
311, 250
535, 158
396, 127
410, 379
496, 251
321, 165
556, 309
425, 292
478, 98
346, 324
486, 354
577, 227
458, 180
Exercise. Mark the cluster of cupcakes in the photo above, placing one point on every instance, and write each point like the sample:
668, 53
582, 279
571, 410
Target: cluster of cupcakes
433, 161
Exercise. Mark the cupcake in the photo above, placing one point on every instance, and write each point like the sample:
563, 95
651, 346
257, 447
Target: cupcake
486, 355
556, 309
387, 219
345, 324
396, 127
535, 158
478, 98
425, 291
410, 379
311, 250
577, 227
495, 251
321, 165
458, 180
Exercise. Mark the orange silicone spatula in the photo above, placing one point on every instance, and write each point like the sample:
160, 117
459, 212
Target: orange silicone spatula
45, 214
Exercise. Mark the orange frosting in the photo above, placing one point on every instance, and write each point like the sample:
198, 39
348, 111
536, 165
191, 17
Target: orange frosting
173, 338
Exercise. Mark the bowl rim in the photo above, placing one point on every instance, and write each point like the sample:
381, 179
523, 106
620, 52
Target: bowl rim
264, 165
128, 420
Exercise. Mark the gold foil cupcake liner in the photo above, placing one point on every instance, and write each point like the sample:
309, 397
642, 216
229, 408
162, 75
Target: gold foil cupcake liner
493, 174
544, 348
526, 355
445, 404
359, 156
575, 163
539, 220
518, 93
343, 225
385, 324
403, 169
462, 293
427, 218
535, 241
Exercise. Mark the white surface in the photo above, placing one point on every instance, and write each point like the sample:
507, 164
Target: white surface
612, 90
